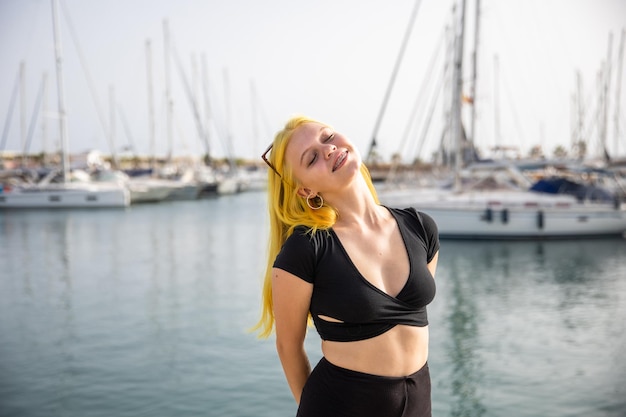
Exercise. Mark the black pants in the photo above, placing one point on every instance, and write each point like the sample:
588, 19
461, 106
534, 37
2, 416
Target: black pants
332, 391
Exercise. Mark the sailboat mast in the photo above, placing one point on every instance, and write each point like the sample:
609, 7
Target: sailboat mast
372, 147
229, 127
168, 93
496, 101
606, 85
65, 160
618, 89
44, 124
474, 71
207, 106
580, 114
23, 112
151, 129
457, 88
112, 125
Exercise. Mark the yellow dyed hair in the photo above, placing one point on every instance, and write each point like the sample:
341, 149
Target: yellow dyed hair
287, 210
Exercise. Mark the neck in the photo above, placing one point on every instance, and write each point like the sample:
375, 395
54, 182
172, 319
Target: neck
356, 206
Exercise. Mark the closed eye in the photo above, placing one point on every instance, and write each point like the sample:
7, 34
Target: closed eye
329, 138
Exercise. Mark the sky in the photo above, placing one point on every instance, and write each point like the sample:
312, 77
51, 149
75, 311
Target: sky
265, 61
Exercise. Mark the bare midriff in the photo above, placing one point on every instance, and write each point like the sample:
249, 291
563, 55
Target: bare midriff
401, 351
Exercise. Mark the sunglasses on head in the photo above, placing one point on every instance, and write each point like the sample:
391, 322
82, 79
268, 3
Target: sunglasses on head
264, 157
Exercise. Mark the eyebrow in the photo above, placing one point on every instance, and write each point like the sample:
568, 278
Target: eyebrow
307, 149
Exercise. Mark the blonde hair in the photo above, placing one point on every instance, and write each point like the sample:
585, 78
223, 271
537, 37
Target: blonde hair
287, 210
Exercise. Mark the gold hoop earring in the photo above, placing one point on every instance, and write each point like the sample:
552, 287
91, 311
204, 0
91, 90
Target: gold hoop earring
308, 202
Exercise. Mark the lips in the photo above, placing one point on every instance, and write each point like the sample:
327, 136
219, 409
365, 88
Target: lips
341, 159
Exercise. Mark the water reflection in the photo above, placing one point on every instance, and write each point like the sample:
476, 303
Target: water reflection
526, 319
144, 312
463, 345
132, 309
37, 278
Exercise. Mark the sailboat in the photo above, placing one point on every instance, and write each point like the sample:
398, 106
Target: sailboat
478, 206
487, 209
64, 193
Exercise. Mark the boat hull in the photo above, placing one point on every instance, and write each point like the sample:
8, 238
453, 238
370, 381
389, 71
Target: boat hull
512, 223
523, 215
65, 196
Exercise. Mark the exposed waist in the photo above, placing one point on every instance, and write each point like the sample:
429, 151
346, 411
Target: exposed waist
398, 352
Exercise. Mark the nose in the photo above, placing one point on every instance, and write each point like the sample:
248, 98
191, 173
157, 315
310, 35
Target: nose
330, 148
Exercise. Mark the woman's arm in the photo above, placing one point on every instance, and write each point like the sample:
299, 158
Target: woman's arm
292, 298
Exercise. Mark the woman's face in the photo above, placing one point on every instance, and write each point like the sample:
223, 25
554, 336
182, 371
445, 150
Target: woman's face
322, 160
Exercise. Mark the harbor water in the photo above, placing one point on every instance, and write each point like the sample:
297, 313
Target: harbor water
145, 311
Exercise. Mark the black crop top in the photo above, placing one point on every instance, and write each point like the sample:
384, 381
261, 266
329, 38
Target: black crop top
341, 292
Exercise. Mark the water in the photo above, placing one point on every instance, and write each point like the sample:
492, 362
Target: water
145, 311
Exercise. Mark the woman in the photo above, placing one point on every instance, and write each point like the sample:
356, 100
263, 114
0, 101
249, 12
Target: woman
361, 271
